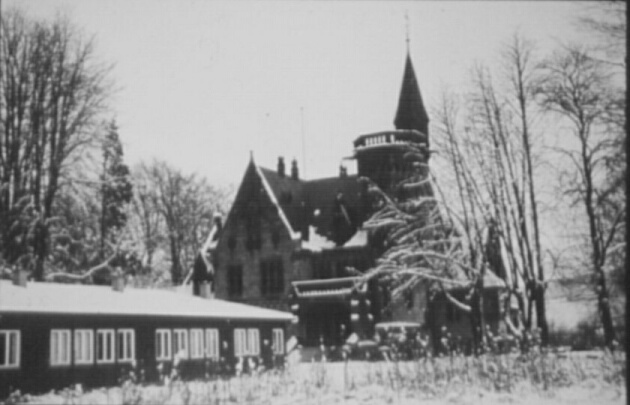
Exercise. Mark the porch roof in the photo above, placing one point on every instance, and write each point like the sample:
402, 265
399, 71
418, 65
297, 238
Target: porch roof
334, 287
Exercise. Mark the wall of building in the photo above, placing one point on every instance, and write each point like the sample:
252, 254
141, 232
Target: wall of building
302, 266
275, 242
36, 375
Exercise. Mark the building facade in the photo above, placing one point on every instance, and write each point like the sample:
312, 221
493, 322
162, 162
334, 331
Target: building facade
298, 245
56, 335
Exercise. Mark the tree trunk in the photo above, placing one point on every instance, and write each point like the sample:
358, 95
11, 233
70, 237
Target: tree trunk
603, 302
476, 318
40, 241
176, 271
541, 313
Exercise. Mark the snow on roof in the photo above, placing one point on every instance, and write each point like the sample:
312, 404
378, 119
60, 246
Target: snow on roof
401, 324
294, 235
360, 238
316, 242
326, 293
103, 300
211, 241
328, 287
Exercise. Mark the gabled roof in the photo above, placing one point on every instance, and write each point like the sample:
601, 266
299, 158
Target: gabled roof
52, 298
275, 201
252, 173
411, 113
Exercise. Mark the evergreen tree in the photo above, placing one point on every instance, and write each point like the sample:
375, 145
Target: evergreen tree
116, 188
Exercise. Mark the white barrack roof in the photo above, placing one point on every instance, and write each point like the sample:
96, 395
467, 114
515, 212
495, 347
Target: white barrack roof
103, 300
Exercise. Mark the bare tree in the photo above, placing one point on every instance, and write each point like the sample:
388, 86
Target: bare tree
578, 89
607, 19
145, 219
484, 217
523, 80
491, 160
185, 204
428, 241
53, 91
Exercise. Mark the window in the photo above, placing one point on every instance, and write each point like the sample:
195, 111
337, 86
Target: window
105, 345
277, 342
235, 280
272, 276
126, 344
246, 342
59, 347
212, 343
9, 349
163, 344
196, 343
240, 342
180, 343
253, 342
83, 346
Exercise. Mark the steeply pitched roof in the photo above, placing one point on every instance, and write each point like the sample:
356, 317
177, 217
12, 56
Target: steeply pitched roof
411, 113
98, 300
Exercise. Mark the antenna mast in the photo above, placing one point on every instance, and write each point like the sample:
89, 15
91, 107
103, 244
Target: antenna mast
303, 143
407, 29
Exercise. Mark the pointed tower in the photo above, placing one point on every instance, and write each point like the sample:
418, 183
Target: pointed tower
411, 113
380, 155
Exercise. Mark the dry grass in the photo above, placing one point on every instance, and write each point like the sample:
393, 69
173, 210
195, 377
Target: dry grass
571, 378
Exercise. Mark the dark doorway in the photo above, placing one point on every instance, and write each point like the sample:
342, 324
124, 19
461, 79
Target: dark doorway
329, 321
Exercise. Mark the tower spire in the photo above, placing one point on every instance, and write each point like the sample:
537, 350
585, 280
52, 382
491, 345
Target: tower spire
411, 113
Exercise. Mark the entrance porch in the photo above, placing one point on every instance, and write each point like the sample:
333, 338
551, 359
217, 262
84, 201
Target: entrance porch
328, 311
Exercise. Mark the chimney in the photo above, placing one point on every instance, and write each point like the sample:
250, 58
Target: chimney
20, 277
205, 290
218, 223
118, 280
280, 166
295, 174
343, 171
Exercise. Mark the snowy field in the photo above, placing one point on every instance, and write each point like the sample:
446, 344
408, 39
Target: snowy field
575, 378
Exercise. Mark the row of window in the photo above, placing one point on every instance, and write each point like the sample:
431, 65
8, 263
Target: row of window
271, 278
202, 343
119, 345
175, 344
111, 346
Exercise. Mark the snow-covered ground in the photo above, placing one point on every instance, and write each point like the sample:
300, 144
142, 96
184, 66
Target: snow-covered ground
576, 380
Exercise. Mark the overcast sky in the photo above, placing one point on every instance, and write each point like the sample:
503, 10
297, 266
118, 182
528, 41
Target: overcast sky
204, 82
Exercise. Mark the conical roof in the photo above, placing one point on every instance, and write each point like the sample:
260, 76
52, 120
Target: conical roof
411, 113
